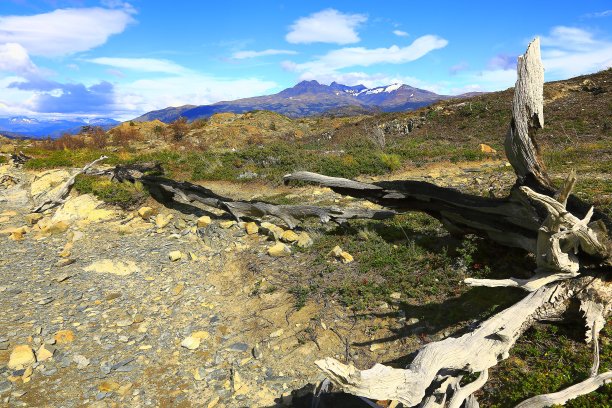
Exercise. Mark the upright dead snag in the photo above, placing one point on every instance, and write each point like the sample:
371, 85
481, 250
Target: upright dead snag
554, 225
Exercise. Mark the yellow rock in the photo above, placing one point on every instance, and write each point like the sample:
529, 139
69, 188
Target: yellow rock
204, 221
82, 208
213, 402
191, 343
484, 148
175, 255
146, 212
289, 236
304, 240
251, 228
178, 289
43, 354
21, 356
17, 234
227, 224
108, 386
279, 250
48, 182
341, 255
272, 230
66, 250
202, 335
114, 267
124, 389
64, 336
33, 218
162, 220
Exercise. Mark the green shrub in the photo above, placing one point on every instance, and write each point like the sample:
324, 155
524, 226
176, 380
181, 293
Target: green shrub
125, 194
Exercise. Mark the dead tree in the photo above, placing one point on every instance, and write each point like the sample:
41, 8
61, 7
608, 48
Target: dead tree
568, 237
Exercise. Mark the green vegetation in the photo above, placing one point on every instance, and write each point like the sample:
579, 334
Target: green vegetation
125, 194
546, 359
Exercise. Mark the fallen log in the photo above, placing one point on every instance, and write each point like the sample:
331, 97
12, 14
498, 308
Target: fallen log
291, 215
565, 234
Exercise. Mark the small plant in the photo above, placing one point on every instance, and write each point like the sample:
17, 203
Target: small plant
125, 194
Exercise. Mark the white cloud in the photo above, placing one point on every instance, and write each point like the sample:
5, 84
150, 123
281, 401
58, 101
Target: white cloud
327, 26
360, 56
64, 31
14, 58
263, 53
400, 33
141, 64
571, 51
145, 95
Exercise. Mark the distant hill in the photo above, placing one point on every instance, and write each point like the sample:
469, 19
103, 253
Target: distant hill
166, 115
22, 126
309, 98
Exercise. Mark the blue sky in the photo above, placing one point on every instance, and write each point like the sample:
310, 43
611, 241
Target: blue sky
65, 58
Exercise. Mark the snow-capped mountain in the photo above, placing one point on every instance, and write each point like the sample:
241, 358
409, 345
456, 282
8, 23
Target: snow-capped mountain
312, 98
32, 127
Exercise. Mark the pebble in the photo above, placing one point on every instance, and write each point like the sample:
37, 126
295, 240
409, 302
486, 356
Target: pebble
191, 343
238, 347
81, 361
5, 386
175, 255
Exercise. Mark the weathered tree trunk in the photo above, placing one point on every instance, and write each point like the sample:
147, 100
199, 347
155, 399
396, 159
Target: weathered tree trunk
555, 226
189, 192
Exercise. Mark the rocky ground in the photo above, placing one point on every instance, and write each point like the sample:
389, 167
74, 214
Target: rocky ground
164, 306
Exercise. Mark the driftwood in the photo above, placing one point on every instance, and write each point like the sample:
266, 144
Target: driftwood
60, 197
565, 234
189, 192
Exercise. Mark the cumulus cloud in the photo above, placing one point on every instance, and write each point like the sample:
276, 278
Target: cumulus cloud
144, 95
64, 31
502, 61
570, 51
263, 53
360, 56
56, 97
400, 33
326, 26
14, 58
141, 64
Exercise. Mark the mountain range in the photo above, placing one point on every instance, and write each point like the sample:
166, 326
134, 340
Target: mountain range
23, 126
309, 98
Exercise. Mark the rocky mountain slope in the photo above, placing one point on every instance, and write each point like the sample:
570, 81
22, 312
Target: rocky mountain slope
309, 98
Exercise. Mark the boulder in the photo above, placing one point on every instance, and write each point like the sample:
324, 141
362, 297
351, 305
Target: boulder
146, 212
46, 183
289, 236
279, 250
82, 207
21, 356
119, 268
304, 240
251, 228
